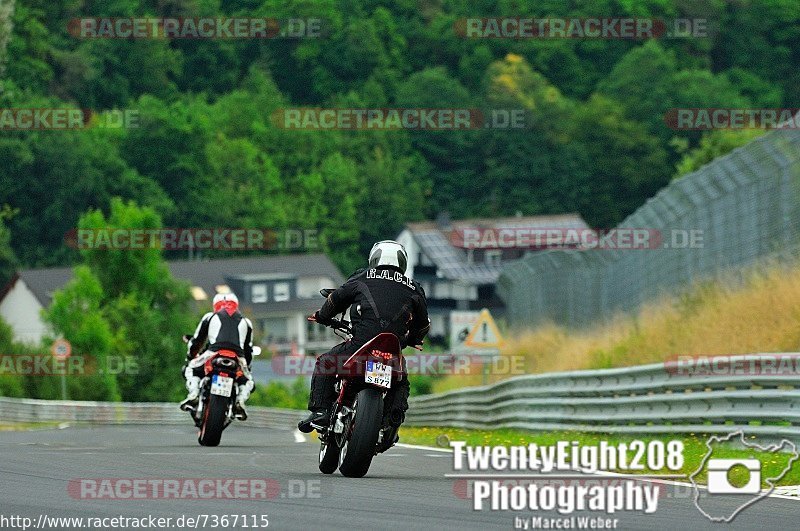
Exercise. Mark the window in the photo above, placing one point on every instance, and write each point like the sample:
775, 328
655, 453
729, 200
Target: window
276, 330
258, 293
281, 292
315, 332
493, 257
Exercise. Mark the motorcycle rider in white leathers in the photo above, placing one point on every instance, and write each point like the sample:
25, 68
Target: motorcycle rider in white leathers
223, 329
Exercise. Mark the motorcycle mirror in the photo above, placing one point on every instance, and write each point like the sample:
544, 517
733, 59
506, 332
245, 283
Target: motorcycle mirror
256, 351
326, 291
186, 338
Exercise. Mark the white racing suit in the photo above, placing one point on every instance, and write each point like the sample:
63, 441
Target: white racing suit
222, 331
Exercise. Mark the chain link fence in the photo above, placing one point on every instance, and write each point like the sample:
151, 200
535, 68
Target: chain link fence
744, 206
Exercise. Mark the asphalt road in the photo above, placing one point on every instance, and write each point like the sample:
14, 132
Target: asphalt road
405, 488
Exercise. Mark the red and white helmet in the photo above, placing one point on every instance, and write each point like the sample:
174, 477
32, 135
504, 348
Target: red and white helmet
228, 301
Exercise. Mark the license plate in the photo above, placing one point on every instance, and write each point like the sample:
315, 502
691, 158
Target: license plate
378, 374
221, 385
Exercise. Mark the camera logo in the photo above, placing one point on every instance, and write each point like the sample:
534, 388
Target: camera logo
744, 480
719, 472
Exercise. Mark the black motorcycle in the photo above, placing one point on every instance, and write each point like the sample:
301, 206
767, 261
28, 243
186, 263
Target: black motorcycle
359, 429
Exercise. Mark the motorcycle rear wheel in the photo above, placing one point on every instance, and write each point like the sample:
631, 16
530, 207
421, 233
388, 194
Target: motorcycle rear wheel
214, 416
359, 449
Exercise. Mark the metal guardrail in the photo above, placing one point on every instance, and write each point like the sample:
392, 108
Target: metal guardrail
31, 410
657, 398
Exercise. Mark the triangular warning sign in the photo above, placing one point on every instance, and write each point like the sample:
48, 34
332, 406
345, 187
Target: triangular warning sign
485, 333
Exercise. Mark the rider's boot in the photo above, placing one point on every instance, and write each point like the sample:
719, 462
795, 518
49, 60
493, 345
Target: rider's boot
318, 419
193, 386
242, 394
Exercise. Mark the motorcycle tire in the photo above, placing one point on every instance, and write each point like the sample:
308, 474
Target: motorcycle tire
216, 411
359, 449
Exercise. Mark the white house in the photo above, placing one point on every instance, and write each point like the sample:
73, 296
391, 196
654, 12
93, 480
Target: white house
458, 276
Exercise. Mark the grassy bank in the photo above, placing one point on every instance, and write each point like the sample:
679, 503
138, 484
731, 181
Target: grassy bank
760, 314
694, 448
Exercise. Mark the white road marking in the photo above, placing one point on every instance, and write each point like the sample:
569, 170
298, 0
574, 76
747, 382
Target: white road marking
418, 447
77, 449
193, 455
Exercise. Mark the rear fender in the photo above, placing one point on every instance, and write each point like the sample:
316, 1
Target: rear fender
384, 348
208, 367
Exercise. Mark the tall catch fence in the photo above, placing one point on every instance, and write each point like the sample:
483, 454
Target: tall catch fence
745, 208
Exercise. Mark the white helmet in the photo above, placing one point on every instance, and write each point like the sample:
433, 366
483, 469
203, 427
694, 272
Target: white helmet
388, 253
225, 300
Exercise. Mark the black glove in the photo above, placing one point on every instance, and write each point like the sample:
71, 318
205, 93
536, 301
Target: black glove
321, 320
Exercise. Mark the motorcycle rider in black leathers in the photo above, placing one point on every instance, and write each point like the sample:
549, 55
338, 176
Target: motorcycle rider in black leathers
381, 299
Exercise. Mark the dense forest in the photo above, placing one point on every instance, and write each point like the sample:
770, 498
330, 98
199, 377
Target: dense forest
206, 153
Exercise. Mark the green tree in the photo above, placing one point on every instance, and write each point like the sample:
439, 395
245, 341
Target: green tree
8, 260
451, 176
10, 384
642, 83
714, 144
340, 230
51, 177
625, 163
124, 303
28, 49
761, 37
6, 26
77, 314
532, 170
393, 196
145, 305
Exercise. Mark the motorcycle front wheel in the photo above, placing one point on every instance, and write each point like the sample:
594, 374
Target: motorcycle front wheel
328, 456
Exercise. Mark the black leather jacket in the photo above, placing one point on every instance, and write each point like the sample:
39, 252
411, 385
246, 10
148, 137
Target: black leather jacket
380, 299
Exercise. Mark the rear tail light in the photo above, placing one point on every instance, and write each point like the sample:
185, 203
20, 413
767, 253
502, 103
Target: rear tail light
379, 354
